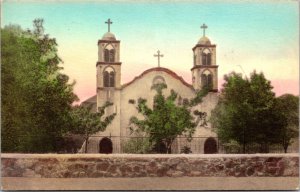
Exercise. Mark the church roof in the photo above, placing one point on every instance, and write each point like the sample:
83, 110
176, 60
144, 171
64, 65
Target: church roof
92, 99
109, 36
172, 73
91, 102
204, 41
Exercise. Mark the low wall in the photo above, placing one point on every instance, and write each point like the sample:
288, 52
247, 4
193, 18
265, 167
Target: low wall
129, 165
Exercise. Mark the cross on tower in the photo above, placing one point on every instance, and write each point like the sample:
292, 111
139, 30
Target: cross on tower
108, 22
158, 57
203, 27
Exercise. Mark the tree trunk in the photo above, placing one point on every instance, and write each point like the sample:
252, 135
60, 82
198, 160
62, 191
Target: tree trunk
168, 148
86, 144
244, 142
285, 146
169, 144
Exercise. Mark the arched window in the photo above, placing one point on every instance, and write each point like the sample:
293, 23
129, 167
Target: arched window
112, 55
109, 53
106, 55
158, 80
112, 79
106, 79
206, 57
109, 77
206, 79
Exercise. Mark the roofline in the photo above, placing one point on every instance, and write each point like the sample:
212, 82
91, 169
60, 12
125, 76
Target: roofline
199, 45
108, 41
172, 73
204, 66
87, 100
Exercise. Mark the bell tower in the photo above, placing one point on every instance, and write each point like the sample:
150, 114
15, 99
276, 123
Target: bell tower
108, 69
205, 69
108, 65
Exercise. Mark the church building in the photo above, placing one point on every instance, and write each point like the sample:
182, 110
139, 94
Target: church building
204, 71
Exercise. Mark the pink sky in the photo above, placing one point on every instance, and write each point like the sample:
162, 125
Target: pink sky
281, 86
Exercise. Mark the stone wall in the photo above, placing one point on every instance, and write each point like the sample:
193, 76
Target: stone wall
152, 165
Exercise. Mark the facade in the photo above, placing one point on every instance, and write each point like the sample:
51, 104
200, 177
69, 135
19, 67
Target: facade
204, 71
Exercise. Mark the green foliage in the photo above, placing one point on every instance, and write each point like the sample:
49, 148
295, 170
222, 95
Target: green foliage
138, 145
245, 112
87, 123
166, 120
199, 96
287, 106
36, 96
232, 146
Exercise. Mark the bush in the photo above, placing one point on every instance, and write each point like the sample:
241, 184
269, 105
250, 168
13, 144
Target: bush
138, 145
232, 147
186, 150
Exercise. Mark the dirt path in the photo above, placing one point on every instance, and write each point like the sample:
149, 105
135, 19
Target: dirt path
158, 183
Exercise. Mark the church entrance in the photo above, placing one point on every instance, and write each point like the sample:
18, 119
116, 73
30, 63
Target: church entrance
105, 146
210, 146
161, 148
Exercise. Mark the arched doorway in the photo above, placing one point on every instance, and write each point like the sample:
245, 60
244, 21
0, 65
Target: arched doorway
210, 146
160, 147
105, 146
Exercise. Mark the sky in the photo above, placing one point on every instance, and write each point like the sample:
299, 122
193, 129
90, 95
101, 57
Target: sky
250, 35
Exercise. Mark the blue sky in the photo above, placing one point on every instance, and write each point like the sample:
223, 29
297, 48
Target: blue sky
262, 36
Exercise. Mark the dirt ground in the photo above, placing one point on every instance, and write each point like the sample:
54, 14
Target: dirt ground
152, 183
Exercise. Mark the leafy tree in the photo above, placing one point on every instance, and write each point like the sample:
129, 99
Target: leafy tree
36, 97
245, 112
287, 106
87, 123
166, 120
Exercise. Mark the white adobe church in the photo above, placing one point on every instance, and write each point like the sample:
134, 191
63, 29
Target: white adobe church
204, 71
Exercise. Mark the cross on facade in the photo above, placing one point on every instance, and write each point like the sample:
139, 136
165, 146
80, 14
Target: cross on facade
203, 27
158, 55
108, 22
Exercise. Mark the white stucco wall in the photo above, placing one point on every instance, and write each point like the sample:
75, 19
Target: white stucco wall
142, 88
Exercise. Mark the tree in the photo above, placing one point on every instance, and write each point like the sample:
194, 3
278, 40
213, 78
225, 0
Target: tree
245, 112
166, 120
36, 97
87, 123
287, 106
